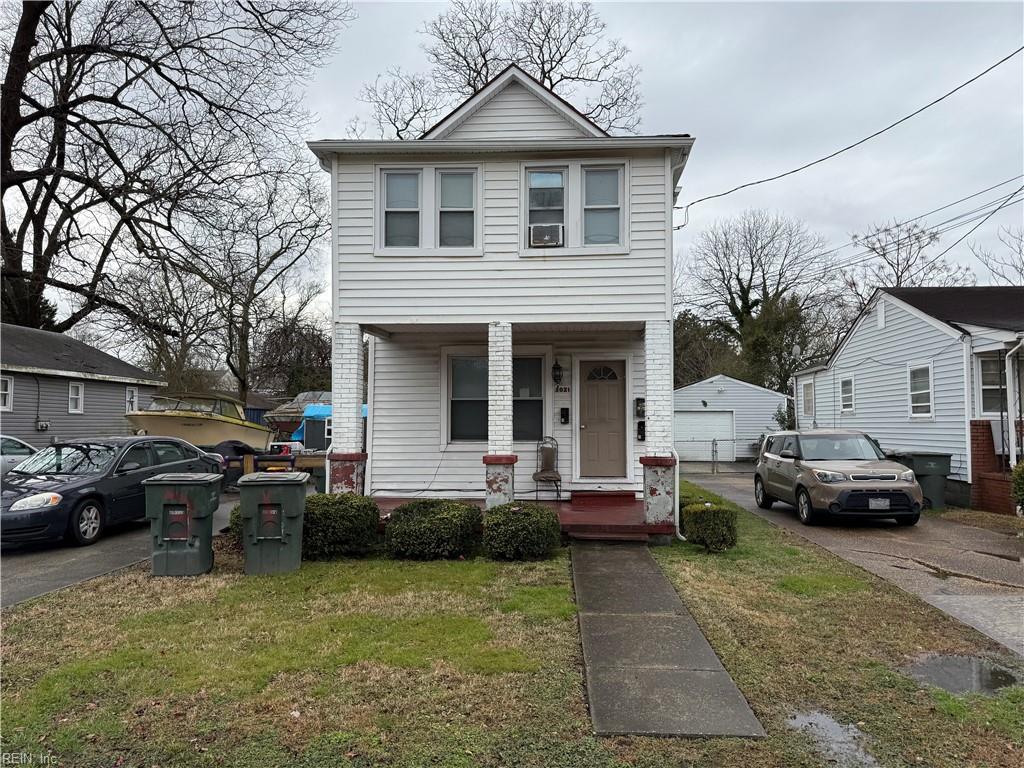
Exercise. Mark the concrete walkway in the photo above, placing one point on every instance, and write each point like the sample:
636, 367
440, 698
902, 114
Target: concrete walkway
649, 669
973, 574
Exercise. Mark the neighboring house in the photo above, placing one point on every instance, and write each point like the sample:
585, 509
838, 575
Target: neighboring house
54, 387
734, 413
513, 270
926, 369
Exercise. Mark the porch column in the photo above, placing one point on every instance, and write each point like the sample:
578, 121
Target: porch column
658, 462
346, 457
499, 463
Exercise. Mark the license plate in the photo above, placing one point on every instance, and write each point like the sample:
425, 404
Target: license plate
878, 503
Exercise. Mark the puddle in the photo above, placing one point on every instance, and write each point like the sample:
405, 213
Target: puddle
842, 745
961, 674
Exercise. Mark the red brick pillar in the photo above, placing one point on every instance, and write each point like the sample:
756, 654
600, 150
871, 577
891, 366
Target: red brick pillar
347, 471
499, 477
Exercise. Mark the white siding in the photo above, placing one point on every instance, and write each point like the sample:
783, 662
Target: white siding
501, 285
407, 420
878, 361
515, 113
754, 407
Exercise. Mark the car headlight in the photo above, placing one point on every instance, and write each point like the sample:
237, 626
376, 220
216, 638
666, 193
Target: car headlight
825, 476
37, 501
908, 476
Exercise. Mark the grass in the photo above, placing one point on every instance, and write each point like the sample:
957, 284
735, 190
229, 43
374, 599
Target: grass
1008, 524
470, 663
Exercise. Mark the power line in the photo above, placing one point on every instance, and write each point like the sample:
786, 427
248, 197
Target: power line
990, 215
686, 208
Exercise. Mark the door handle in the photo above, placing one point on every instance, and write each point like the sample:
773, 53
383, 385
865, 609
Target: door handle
583, 426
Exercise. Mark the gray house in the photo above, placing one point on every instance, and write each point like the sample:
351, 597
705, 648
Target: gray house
54, 387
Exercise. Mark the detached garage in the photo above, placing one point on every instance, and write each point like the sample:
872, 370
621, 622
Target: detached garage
733, 412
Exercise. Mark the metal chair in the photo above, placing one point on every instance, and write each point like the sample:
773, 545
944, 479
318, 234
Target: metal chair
547, 466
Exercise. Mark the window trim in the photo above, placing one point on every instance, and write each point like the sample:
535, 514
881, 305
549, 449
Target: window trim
126, 391
384, 210
853, 395
439, 172
81, 397
9, 405
981, 387
911, 367
804, 400
620, 170
429, 210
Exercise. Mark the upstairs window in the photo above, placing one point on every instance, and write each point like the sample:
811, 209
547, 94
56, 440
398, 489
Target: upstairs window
401, 209
601, 207
456, 209
920, 391
546, 198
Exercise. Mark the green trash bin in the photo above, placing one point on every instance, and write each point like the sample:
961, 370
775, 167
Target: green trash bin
180, 507
931, 469
272, 508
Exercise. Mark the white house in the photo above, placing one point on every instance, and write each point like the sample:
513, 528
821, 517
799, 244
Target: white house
735, 414
928, 369
512, 270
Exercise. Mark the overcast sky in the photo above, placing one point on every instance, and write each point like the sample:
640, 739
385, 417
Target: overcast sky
765, 87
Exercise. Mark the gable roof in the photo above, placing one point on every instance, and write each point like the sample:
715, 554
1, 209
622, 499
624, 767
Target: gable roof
512, 74
720, 376
29, 350
990, 306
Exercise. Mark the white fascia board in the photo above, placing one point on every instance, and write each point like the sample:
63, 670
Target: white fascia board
82, 375
327, 147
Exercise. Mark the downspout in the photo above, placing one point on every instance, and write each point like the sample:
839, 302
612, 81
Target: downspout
1011, 402
968, 404
675, 495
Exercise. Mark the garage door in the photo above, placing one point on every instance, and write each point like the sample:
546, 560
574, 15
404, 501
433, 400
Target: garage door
694, 431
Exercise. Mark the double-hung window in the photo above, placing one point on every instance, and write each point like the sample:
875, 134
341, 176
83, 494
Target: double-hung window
846, 400
468, 398
401, 209
993, 394
76, 397
131, 399
6, 393
546, 200
807, 396
920, 378
456, 226
527, 398
602, 212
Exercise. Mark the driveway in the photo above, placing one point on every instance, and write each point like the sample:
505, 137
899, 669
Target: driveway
972, 574
30, 570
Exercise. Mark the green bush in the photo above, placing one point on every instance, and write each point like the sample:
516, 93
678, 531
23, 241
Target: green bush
1018, 484
521, 531
338, 524
429, 529
709, 525
235, 525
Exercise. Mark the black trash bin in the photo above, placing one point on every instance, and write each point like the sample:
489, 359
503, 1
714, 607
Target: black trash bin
180, 507
930, 469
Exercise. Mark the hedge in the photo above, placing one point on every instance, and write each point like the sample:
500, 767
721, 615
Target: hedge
521, 531
1017, 489
429, 529
710, 525
338, 524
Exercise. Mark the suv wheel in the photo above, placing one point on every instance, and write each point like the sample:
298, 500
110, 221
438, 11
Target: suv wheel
764, 501
804, 508
86, 522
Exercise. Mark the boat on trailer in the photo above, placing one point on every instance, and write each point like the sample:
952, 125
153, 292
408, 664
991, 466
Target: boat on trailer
202, 420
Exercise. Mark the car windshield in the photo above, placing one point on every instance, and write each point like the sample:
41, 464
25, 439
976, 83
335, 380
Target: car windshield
67, 459
838, 448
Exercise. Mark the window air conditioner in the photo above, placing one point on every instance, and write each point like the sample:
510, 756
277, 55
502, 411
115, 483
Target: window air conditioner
545, 235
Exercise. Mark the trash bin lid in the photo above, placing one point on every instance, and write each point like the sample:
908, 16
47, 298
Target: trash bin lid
183, 478
274, 478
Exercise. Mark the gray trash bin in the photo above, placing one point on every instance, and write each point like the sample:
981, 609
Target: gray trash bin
272, 504
180, 507
931, 470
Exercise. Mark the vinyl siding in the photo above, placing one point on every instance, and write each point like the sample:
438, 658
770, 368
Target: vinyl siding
878, 360
407, 416
501, 284
45, 398
514, 113
754, 408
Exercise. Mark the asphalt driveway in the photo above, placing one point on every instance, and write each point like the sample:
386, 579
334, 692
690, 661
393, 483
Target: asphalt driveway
974, 575
30, 570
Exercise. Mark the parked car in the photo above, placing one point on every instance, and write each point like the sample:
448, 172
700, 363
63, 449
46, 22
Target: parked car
75, 489
12, 452
836, 472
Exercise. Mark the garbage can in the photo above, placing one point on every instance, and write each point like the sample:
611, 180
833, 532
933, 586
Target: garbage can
931, 470
180, 507
272, 508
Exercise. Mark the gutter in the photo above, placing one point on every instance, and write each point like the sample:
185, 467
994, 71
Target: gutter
81, 375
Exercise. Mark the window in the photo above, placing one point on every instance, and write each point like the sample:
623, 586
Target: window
846, 395
328, 429
880, 313
789, 444
131, 399
993, 394
76, 397
6, 393
401, 209
168, 453
546, 198
11, 447
137, 454
807, 396
920, 391
601, 212
456, 226
468, 398
527, 398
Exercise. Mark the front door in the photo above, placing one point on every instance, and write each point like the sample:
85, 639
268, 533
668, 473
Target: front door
602, 418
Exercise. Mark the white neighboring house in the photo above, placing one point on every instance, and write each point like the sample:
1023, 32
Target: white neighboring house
513, 270
735, 413
920, 369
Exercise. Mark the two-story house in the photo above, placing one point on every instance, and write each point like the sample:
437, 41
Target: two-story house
512, 270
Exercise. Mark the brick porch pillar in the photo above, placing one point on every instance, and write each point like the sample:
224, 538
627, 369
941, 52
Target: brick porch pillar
346, 458
499, 463
658, 463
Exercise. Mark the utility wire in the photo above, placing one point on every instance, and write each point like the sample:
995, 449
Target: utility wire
686, 208
990, 215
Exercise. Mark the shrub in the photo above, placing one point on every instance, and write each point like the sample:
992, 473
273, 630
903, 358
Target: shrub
521, 531
1018, 484
428, 529
235, 525
338, 524
709, 525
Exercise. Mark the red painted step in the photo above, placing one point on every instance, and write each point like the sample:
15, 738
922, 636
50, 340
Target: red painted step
640, 537
602, 498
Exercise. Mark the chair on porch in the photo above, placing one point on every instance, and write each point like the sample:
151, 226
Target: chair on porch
547, 466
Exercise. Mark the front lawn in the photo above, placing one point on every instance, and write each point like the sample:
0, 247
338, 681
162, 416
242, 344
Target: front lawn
381, 663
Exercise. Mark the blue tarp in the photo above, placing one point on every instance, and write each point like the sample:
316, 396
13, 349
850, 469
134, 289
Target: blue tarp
316, 411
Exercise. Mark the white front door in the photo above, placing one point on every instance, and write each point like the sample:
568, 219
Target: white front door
695, 431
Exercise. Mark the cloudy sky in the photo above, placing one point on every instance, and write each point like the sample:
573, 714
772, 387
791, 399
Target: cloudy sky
766, 87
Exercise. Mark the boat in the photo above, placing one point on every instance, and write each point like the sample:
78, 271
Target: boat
288, 417
202, 420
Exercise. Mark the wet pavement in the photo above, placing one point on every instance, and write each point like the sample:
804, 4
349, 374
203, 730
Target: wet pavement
961, 674
973, 574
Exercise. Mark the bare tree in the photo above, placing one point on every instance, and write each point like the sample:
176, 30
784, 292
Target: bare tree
1006, 267
899, 258
563, 45
118, 118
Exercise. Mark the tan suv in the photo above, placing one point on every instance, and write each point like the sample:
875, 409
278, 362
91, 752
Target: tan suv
839, 472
